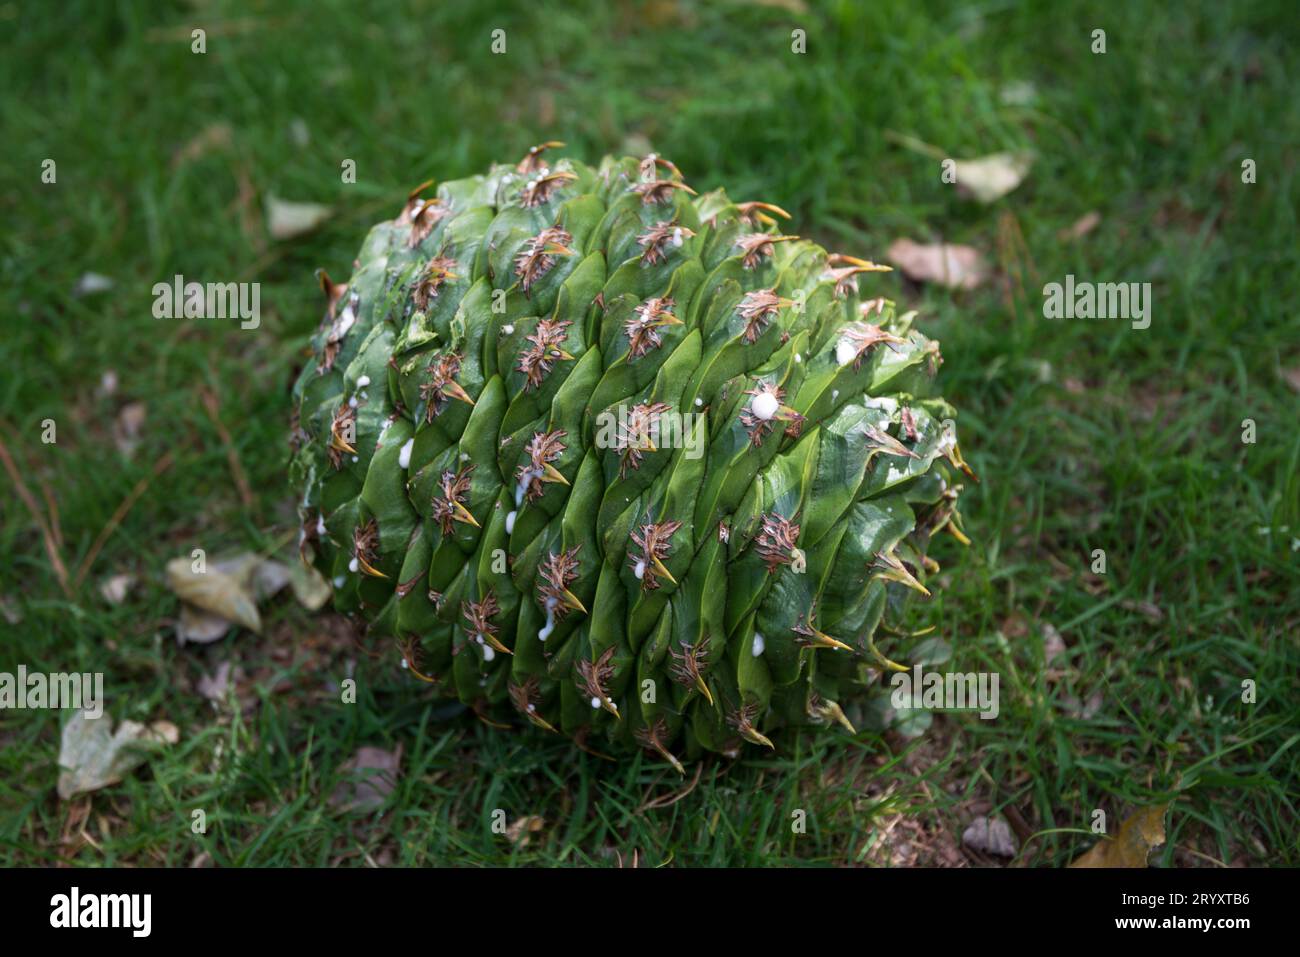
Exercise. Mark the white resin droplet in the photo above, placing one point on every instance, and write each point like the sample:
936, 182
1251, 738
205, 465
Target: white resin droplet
639, 571
845, 352
353, 566
363, 382
798, 357
320, 527
404, 456
488, 653
521, 487
508, 329
550, 620
764, 405
510, 523
699, 401
759, 645
595, 702
338, 582
352, 402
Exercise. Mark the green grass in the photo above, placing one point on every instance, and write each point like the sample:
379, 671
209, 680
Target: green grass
1086, 434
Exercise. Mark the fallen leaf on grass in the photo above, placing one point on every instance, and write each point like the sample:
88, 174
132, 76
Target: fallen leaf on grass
1148, 610
520, 832
1053, 643
229, 591
300, 132
990, 836
1292, 377
309, 586
268, 578
92, 756
958, 267
91, 283
369, 777
127, 426
285, 220
1018, 93
987, 179
1083, 710
1143, 830
115, 588
200, 627
212, 137
107, 385
214, 686
1081, 227
215, 591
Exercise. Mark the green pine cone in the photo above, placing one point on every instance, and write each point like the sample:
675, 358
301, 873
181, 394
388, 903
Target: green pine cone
620, 459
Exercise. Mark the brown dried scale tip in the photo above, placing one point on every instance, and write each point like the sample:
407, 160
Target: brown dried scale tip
539, 189
776, 540
424, 217
405, 588
689, 664
365, 545
873, 306
881, 441
652, 737
908, 422
845, 270
649, 167
890, 567
754, 214
808, 634
759, 246
436, 272
643, 326
442, 384
655, 542
542, 449
636, 433
824, 711
414, 203
661, 234
526, 696
594, 676
538, 254
449, 508
340, 325
334, 291
858, 338
537, 361
765, 409
298, 436
532, 160
478, 617
343, 432
758, 309
312, 530
410, 650
556, 574
742, 719
659, 190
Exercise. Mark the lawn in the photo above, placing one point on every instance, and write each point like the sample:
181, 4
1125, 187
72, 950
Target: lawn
1121, 689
